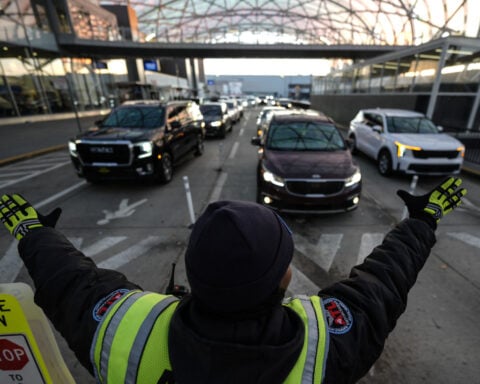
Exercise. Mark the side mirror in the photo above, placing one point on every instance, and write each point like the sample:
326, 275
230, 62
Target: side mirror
440, 128
98, 123
256, 141
377, 128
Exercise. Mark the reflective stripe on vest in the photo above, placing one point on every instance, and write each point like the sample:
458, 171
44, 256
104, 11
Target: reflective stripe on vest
131, 342
137, 326
310, 366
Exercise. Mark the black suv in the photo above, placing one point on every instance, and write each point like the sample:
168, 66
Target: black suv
217, 118
139, 139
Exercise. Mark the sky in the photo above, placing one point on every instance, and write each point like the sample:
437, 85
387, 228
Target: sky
275, 67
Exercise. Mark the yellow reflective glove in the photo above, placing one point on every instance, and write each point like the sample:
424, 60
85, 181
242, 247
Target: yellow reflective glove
19, 217
438, 202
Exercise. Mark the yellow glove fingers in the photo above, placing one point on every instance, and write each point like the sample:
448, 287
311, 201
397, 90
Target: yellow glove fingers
18, 216
454, 200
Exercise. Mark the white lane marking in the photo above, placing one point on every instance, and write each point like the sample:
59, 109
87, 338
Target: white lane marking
102, 245
217, 190
10, 265
34, 174
234, 150
466, 238
76, 241
240, 133
59, 194
368, 242
301, 284
23, 166
323, 253
129, 254
124, 210
6, 174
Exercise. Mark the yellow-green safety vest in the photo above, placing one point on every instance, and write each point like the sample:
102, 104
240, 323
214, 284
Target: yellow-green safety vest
131, 341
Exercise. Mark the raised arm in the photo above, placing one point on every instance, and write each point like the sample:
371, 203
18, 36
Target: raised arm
375, 294
68, 285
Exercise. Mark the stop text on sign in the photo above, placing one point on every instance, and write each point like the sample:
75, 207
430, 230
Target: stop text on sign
12, 356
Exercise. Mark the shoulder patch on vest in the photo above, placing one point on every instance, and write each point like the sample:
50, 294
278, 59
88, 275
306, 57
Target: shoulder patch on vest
105, 303
338, 316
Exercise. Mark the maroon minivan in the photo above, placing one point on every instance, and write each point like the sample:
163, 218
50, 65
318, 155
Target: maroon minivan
305, 166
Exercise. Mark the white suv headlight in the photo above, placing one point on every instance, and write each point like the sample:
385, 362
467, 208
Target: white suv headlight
403, 148
270, 177
145, 149
354, 179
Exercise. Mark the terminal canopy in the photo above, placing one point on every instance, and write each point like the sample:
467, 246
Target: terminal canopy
330, 22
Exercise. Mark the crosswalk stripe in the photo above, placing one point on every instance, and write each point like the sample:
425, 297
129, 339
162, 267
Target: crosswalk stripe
102, 245
76, 241
323, 253
466, 238
368, 242
129, 254
301, 284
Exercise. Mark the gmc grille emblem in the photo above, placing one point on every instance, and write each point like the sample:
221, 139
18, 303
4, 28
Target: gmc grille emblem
101, 149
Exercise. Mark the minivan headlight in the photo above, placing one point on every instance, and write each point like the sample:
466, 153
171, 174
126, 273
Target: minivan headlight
354, 179
145, 149
270, 177
402, 148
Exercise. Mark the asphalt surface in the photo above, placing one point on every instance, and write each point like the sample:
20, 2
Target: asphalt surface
21, 138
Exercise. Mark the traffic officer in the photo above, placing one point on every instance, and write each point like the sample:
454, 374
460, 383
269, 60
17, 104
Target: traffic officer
235, 326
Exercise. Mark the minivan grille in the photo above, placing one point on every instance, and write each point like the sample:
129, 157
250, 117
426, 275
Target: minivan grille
435, 154
111, 153
304, 187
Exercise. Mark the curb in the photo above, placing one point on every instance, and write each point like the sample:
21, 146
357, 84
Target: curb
13, 159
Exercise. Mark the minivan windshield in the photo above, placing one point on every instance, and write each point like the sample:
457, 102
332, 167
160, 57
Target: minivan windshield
211, 110
303, 136
135, 117
402, 124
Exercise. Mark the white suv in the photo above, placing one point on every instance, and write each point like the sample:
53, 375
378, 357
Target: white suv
405, 141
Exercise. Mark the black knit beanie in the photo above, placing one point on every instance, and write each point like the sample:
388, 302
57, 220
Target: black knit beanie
237, 254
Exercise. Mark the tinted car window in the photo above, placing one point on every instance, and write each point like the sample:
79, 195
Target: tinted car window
211, 110
303, 136
135, 117
398, 124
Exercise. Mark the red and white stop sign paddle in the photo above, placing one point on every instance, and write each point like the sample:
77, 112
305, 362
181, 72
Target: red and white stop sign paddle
13, 357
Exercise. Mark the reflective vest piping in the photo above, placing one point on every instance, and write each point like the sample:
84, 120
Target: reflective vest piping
151, 306
315, 347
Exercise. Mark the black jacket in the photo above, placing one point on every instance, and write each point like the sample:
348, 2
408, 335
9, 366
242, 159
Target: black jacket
68, 285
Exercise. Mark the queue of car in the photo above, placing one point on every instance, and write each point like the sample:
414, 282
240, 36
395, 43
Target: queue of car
305, 164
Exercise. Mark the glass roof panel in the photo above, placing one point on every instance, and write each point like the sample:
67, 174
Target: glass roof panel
380, 22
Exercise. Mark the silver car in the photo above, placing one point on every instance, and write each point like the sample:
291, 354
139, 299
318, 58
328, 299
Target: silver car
405, 141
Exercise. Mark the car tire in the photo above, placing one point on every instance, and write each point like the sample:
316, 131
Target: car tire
165, 171
199, 146
384, 163
353, 145
223, 132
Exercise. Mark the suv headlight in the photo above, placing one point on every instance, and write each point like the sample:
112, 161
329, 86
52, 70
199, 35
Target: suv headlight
354, 179
72, 148
270, 177
217, 123
144, 149
403, 148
